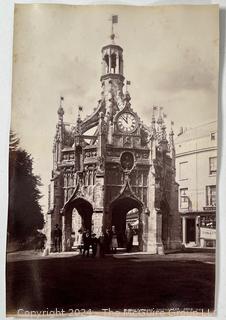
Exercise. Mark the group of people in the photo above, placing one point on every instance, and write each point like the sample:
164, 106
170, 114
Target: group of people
106, 243
86, 241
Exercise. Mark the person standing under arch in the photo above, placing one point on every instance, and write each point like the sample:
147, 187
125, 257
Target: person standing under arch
114, 240
57, 238
129, 237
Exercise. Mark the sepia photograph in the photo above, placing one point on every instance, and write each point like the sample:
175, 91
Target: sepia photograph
113, 161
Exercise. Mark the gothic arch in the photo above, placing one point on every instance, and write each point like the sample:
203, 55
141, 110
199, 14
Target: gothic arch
119, 209
85, 210
127, 192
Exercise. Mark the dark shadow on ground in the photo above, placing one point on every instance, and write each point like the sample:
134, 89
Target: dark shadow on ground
131, 282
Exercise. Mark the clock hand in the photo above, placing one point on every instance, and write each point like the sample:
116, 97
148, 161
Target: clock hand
126, 120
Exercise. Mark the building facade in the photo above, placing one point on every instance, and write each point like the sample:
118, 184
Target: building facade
124, 166
196, 167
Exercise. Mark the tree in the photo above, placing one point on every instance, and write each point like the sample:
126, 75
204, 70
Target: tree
13, 141
24, 214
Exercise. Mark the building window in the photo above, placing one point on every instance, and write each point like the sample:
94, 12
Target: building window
208, 222
212, 165
213, 136
183, 170
184, 198
211, 196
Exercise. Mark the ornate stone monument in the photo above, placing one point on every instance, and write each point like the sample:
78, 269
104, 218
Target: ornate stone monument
122, 165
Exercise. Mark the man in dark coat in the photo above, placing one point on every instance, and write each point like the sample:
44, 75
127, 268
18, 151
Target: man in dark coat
94, 242
129, 237
57, 238
86, 243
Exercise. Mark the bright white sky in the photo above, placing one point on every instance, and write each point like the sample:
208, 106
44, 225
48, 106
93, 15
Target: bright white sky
170, 57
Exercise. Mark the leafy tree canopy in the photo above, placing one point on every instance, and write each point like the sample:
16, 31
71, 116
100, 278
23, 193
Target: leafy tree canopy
25, 214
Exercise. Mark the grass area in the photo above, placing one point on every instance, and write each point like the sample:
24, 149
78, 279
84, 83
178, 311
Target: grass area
76, 282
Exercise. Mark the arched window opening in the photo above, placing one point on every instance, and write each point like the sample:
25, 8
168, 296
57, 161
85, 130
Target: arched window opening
106, 60
113, 62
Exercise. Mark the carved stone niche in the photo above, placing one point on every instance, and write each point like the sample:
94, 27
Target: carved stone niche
138, 155
127, 161
98, 195
101, 163
64, 157
127, 141
145, 155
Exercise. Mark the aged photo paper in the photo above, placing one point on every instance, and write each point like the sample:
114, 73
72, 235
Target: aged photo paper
113, 161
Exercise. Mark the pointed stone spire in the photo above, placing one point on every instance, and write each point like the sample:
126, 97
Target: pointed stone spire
171, 142
102, 131
60, 110
59, 133
161, 131
78, 129
163, 135
160, 119
153, 122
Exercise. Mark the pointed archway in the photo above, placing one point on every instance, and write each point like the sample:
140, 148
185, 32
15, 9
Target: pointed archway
77, 210
120, 210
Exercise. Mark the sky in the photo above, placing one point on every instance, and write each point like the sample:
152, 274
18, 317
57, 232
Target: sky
170, 57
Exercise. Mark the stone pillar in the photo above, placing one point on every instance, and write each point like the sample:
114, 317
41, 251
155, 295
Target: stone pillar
121, 65
104, 66
97, 223
197, 231
109, 61
67, 231
64, 246
98, 197
98, 190
117, 63
141, 230
110, 133
48, 233
183, 230
160, 247
159, 227
151, 233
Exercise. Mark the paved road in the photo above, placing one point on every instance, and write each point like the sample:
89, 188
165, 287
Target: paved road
123, 281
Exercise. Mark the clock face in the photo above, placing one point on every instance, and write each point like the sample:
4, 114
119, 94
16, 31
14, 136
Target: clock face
127, 122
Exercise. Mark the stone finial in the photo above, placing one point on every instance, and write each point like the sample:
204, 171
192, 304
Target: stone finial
160, 120
78, 128
161, 127
127, 97
101, 115
171, 128
153, 122
60, 110
171, 139
163, 131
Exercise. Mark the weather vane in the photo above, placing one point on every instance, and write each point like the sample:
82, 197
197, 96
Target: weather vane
114, 20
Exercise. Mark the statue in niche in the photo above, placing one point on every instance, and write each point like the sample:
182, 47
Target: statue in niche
127, 161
